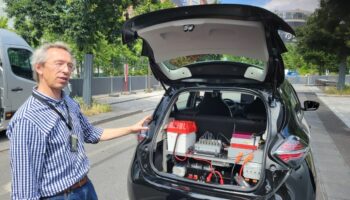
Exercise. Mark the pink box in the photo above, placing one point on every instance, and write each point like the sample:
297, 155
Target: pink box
244, 135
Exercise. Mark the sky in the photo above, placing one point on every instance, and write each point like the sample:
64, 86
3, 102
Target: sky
272, 5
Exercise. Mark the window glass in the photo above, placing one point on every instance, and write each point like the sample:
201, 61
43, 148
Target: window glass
234, 96
291, 94
20, 62
182, 100
179, 62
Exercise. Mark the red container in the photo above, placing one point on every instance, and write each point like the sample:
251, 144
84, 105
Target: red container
183, 133
182, 127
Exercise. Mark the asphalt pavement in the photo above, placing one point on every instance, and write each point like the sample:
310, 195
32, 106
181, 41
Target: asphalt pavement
330, 126
122, 105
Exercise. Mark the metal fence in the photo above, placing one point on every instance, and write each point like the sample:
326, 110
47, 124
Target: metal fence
311, 80
110, 85
116, 84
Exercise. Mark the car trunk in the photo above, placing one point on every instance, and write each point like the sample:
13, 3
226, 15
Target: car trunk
214, 137
200, 33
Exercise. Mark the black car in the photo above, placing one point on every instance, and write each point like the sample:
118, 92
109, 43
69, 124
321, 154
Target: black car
229, 125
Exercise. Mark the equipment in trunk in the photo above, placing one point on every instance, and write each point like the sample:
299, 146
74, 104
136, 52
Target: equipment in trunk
204, 145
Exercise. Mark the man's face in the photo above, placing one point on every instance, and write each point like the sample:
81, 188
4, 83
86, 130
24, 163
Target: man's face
56, 71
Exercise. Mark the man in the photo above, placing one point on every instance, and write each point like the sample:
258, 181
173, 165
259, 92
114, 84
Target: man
48, 159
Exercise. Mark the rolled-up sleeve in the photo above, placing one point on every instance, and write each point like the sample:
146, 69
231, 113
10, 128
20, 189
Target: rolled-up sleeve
92, 134
27, 150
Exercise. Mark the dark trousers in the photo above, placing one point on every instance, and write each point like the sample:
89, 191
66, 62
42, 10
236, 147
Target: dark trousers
86, 192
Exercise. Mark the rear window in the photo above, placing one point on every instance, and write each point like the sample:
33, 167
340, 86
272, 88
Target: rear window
179, 62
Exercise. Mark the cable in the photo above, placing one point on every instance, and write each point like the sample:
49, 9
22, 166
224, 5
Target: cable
224, 137
246, 160
214, 172
175, 156
238, 158
221, 179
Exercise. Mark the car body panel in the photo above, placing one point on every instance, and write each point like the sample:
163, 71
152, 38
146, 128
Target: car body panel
221, 36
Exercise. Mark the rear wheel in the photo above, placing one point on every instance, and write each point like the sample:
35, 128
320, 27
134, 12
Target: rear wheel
282, 194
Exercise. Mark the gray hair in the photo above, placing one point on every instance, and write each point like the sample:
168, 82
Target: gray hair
40, 55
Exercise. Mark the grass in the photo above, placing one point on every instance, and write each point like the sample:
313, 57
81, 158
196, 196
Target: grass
334, 91
95, 109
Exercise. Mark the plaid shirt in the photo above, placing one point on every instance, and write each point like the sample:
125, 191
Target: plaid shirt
42, 162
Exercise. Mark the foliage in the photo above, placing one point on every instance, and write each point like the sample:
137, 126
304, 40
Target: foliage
79, 20
326, 36
96, 108
146, 6
139, 66
334, 91
88, 26
243, 59
3, 22
186, 60
294, 60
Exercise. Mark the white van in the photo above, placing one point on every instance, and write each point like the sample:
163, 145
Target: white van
16, 77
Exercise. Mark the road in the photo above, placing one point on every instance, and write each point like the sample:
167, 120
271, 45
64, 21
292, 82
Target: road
110, 160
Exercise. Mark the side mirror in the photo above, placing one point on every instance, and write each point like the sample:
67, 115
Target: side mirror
311, 105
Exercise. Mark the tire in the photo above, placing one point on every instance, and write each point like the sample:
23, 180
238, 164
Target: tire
283, 194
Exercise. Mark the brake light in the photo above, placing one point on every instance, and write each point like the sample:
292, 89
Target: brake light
292, 151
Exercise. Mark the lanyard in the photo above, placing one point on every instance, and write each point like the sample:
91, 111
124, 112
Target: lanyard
42, 100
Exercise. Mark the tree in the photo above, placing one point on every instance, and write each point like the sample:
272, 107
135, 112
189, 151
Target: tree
146, 6
3, 22
292, 59
327, 35
79, 20
88, 26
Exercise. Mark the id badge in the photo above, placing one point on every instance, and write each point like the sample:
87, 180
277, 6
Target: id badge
73, 143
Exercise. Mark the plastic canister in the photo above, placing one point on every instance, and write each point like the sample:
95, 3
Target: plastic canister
184, 131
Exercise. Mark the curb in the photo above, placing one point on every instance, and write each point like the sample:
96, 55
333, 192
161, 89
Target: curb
108, 119
133, 99
126, 99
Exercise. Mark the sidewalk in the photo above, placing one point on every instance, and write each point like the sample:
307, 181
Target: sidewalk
114, 100
329, 143
340, 105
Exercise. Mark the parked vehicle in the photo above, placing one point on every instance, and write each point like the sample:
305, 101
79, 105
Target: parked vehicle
16, 75
292, 73
16, 82
223, 129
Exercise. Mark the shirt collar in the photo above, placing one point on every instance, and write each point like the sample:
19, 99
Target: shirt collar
50, 99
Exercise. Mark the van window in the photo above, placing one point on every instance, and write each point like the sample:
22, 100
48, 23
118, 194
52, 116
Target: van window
20, 62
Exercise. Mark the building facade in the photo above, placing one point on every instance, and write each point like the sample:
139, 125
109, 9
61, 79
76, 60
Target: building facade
295, 18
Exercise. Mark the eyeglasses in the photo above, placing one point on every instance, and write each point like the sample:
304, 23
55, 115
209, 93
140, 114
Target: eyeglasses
59, 65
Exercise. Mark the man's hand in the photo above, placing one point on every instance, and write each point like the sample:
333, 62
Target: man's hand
112, 133
141, 125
